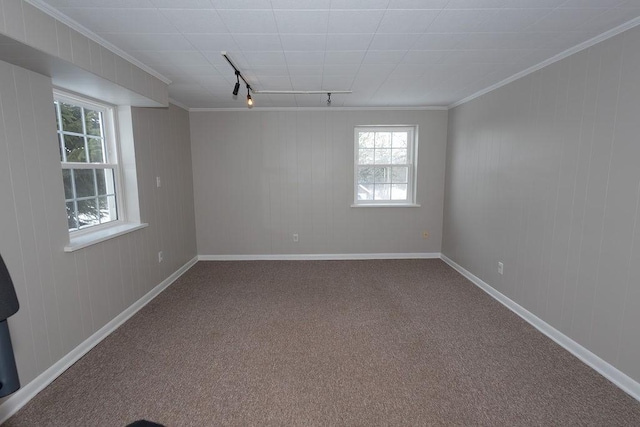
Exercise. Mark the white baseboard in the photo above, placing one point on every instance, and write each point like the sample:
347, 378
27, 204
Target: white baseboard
320, 257
28, 392
619, 378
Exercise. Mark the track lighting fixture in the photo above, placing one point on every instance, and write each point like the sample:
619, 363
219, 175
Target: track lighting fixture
249, 100
236, 88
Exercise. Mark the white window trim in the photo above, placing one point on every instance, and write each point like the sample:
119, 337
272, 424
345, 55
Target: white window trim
83, 238
96, 236
412, 181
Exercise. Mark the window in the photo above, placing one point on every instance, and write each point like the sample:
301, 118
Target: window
89, 162
385, 166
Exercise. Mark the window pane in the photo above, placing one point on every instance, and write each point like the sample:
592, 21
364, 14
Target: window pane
88, 212
68, 186
60, 148
381, 175
400, 175
382, 192
55, 106
85, 182
96, 152
72, 216
105, 181
399, 156
365, 139
74, 146
399, 140
383, 140
107, 209
365, 157
71, 118
399, 192
93, 122
101, 181
365, 175
383, 156
365, 192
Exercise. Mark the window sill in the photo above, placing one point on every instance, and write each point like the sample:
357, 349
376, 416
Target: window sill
91, 238
385, 205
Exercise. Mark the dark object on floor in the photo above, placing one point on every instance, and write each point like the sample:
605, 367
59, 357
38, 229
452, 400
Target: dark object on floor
144, 423
9, 381
8, 300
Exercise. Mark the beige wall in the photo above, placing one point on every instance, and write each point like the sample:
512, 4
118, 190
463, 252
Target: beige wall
543, 174
66, 297
259, 177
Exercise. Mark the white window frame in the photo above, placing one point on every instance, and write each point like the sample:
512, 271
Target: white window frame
112, 155
412, 164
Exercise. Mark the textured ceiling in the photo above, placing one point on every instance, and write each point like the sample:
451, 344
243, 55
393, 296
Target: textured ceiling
400, 53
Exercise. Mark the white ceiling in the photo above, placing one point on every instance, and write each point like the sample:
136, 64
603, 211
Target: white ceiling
398, 53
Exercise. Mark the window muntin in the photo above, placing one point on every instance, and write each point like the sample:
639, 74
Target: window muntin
384, 165
88, 158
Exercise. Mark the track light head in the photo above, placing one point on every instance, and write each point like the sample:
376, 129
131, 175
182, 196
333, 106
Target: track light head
328, 99
236, 88
249, 100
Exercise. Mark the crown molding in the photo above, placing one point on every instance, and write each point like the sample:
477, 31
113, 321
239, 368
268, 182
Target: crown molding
178, 104
575, 49
326, 109
56, 14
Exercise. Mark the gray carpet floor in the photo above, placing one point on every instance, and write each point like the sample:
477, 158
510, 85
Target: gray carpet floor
393, 342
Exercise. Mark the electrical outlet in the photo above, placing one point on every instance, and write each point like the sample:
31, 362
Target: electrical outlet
160, 257
295, 237
425, 234
158, 182
500, 268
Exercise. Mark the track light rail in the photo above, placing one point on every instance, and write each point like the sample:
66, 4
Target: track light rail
238, 72
300, 92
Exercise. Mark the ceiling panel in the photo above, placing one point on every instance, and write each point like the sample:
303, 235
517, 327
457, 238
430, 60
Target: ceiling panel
209, 42
417, 4
249, 21
305, 58
194, 21
388, 52
169, 4
406, 21
300, 4
302, 22
348, 41
393, 41
383, 57
346, 57
354, 21
303, 42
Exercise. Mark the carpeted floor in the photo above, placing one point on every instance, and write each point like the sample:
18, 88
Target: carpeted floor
393, 342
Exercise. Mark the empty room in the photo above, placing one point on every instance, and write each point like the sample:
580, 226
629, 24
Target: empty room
319, 212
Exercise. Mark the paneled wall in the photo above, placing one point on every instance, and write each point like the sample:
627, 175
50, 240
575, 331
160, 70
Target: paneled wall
260, 177
543, 174
66, 297
26, 23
